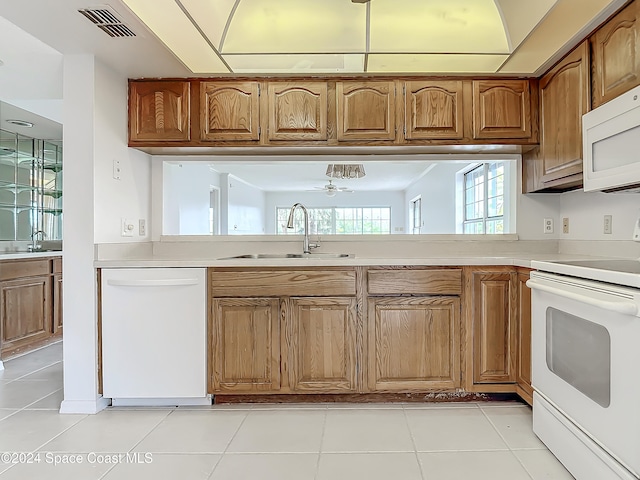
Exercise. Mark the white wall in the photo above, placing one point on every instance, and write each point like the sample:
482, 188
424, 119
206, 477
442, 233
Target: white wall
586, 211
438, 193
186, 198
80, 293
395, 200
246, 206
129, 197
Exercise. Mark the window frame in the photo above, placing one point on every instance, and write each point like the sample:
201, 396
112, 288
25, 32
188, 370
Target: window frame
334, 220
506, 199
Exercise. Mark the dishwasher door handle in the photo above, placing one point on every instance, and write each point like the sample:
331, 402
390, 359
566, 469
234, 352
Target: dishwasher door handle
164, 282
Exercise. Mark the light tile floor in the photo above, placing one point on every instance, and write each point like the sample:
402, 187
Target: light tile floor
452, 441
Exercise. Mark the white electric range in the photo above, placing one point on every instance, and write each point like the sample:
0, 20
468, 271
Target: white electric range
585, 338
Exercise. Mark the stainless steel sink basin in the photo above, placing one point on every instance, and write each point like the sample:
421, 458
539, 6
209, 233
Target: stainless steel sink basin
316, 256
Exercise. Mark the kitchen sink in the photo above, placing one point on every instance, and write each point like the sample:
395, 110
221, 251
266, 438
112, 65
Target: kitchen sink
316, 256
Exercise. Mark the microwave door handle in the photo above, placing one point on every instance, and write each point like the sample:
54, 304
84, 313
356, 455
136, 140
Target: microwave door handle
619, 306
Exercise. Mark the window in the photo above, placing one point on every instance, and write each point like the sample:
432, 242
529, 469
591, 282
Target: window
337, 220
484, 199
416, 214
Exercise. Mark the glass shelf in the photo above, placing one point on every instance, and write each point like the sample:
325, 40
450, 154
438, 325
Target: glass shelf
30, 187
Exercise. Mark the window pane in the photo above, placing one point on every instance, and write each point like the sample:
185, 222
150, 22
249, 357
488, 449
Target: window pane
484, 198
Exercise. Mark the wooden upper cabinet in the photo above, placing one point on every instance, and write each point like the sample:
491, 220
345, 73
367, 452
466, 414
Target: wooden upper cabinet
616, 55
297, 111
414, 343
564, 98
366, 110
229, 111
159, 111
321, 338
433, 110
501, 109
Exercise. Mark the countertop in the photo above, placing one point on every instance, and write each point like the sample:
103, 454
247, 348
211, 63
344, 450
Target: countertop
421, 251
25, 255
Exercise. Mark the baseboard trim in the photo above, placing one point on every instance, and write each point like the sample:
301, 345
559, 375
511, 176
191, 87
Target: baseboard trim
87, 407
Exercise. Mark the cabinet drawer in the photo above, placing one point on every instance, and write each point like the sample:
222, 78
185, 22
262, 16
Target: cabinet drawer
282, 283
24, 268
425, 282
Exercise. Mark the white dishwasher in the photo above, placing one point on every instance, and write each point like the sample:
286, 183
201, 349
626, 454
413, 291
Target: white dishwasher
154, 336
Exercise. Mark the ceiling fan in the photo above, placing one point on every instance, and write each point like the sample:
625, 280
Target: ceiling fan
330, 189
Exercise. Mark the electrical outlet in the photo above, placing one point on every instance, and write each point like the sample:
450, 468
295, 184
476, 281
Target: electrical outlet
142, 227
565, 225
607, 224
117, 169
548, 225
126, 227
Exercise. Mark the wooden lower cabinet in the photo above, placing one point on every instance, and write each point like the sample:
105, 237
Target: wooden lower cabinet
491, 323
370, 330
414, 343
320, 340
30, 303
246, 345
523, 387
25, 312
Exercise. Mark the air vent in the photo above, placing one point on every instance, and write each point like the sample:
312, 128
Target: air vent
107, 21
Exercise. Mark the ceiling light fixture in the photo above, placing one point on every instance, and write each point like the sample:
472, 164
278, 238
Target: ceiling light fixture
346, 170
20, 123
342, 36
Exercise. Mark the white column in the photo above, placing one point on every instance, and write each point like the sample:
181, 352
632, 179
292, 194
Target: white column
80, 351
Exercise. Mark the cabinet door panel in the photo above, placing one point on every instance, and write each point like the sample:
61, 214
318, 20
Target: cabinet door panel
298, 111
25, 314
414, 343
564, 98
494, 327
321, 342
159, 111
616, 55
246, 345
229, 111
433, 109
501, 109
366, 110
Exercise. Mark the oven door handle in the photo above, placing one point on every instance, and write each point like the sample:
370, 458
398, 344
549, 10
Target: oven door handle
621, 306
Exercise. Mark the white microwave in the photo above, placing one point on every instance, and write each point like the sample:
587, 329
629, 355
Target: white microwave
611, 144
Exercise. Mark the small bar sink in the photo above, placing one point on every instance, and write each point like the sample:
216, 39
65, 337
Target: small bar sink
255, 256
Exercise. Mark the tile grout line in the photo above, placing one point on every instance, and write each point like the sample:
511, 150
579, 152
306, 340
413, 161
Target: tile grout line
324, 429
39, 400
215, 467
152, 429
506, 443
413, 442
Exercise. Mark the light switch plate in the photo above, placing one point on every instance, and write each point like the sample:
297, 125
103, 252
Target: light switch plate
142, 227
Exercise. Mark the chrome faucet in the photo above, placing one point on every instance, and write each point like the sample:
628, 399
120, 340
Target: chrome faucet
34, 247
306, 246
